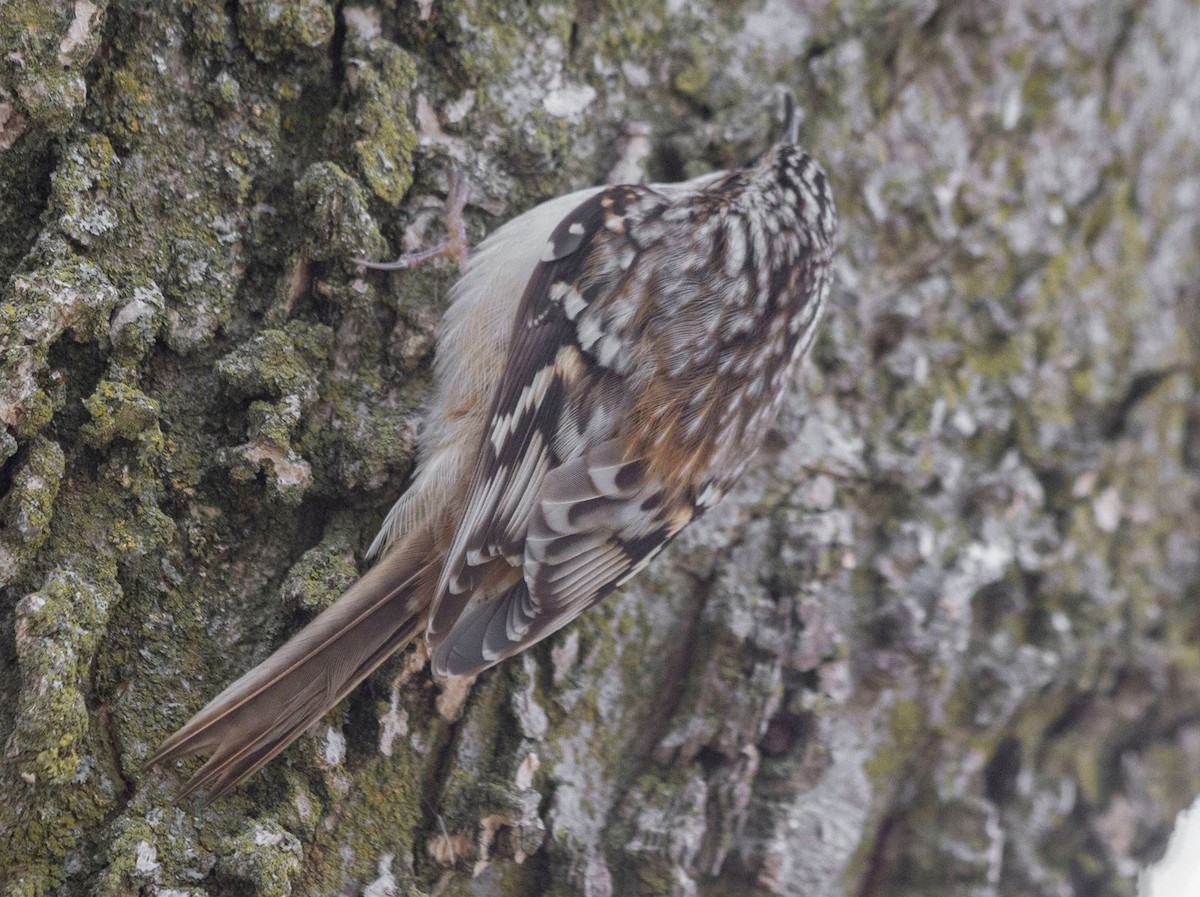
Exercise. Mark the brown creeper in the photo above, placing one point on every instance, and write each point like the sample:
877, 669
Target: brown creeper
609, 363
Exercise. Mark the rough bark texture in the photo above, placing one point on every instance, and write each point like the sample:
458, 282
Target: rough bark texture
942, 641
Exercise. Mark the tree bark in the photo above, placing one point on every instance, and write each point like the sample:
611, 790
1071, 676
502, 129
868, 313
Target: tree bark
942, 640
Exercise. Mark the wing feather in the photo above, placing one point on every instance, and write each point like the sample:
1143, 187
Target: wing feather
537, 418
557, 515
593, 525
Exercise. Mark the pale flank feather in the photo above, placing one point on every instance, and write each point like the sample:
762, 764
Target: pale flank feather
472, 345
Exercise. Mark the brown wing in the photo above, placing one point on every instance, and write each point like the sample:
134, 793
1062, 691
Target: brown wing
556, 516
596, 521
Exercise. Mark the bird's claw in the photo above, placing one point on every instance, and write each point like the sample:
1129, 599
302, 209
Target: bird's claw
456, 247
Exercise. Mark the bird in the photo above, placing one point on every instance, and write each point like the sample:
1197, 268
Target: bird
608, 364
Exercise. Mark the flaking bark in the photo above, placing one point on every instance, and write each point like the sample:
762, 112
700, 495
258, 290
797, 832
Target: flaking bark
940, 641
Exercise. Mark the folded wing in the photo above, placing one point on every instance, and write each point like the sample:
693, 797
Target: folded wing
559, 512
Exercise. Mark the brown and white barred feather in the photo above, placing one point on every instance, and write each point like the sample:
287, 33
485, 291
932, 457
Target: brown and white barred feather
648, 358
609, 363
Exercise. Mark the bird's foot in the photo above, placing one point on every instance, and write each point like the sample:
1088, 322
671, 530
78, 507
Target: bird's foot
455, 247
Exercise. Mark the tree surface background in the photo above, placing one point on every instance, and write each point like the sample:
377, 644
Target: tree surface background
942, 640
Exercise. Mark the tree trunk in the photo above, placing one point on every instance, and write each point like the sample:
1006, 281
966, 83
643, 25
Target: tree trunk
942, 640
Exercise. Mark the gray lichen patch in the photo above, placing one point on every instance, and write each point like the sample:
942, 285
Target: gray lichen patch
79, 188
47, 47
61, 295
940, 638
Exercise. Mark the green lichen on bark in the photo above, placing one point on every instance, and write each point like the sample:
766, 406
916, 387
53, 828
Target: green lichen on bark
321, 574
57, 789
47, 46
270, 28
376, 127
943, 637
29, 504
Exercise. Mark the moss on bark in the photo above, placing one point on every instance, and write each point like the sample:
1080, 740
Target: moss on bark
941, 640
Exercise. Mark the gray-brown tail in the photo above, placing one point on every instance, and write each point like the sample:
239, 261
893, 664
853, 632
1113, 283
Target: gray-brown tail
269, 707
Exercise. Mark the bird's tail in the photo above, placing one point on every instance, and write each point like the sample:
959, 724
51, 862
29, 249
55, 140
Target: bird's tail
269, 707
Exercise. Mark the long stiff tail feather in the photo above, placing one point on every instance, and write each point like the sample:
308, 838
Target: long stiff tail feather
268, 708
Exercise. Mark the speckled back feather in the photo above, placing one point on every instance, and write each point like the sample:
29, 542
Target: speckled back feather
649, 356
609, 363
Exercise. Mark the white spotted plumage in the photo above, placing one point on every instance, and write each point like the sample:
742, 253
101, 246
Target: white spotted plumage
654, 312
609, 363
